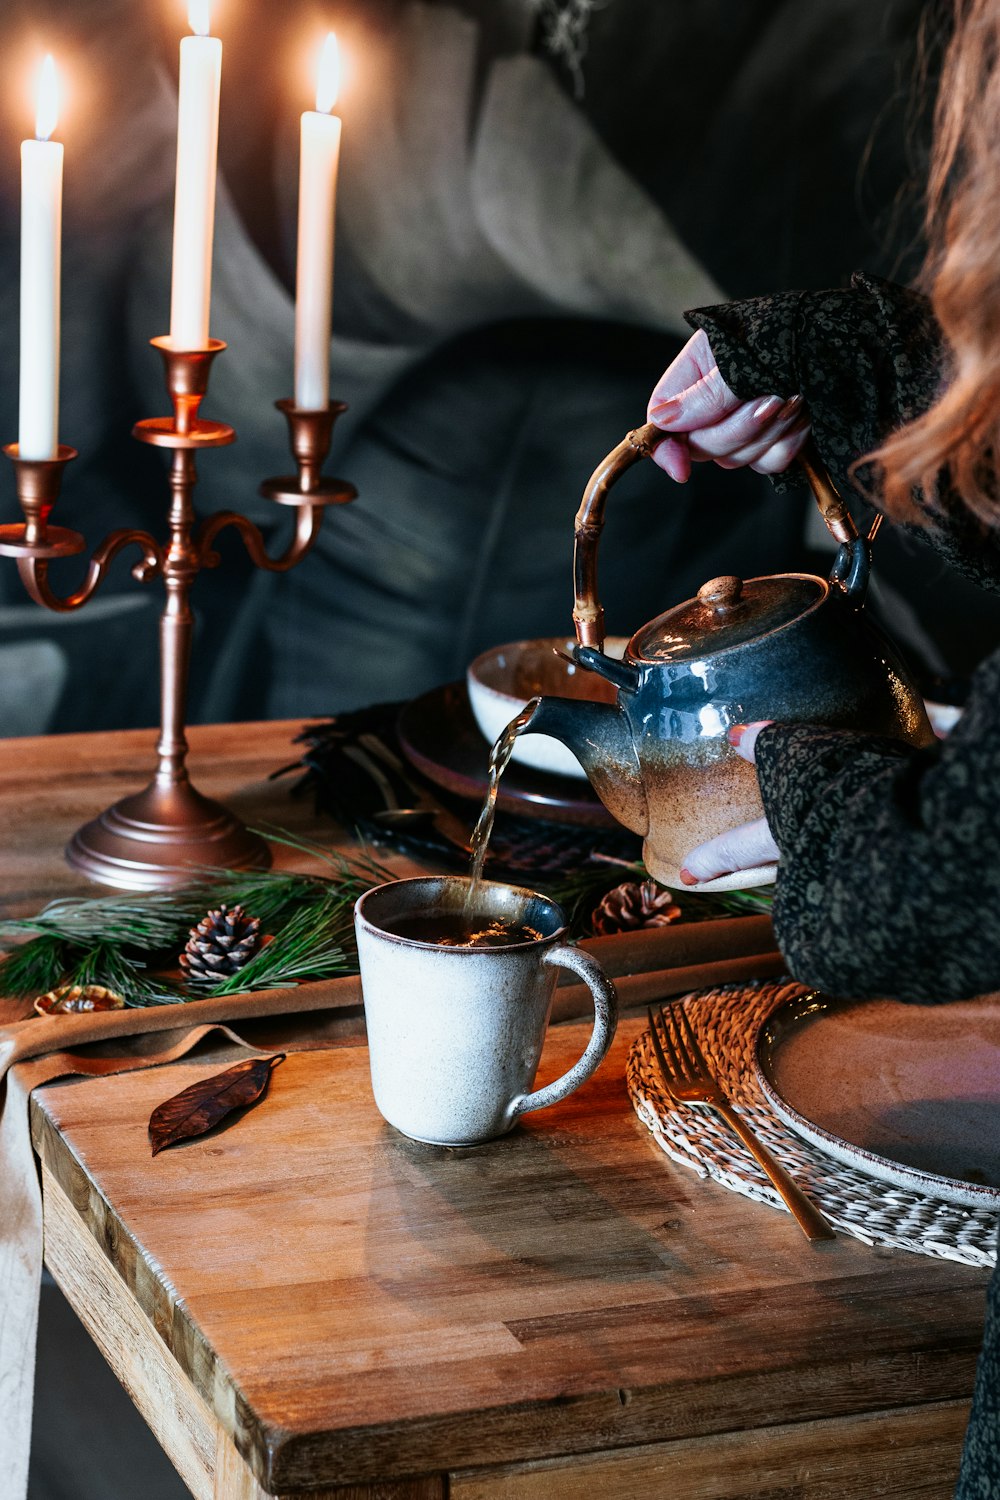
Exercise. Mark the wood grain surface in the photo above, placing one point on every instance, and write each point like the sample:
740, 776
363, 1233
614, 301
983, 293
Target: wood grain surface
352, 1306
307, 1303
50, 785
901, 1455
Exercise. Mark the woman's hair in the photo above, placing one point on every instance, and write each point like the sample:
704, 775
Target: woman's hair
960, 434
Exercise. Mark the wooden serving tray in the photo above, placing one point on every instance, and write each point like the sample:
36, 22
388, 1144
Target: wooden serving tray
651, 964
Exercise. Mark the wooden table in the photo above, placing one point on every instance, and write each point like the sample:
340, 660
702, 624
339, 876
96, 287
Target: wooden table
50, 786
309, 1303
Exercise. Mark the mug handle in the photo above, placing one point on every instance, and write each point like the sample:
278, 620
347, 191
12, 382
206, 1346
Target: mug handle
605, 1023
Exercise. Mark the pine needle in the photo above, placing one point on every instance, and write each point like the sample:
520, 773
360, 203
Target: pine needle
105, 964
145, 921
120, 941
305, 949
34, 968
579, 894
740, 903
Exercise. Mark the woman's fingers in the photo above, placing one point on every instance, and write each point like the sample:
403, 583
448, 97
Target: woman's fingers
698, 405
769, 455
687, 370
704, 419
743, 738
749, 429
691, 392
771, 452
694, 361
780, 455
742, 848
674, 457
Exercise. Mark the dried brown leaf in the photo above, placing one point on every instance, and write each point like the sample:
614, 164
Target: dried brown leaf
199, 1108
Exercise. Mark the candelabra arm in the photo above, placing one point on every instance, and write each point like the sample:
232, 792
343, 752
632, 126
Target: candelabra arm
308, 519
168, 832
34, 570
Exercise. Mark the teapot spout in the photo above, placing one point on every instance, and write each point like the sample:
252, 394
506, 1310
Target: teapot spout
599, 736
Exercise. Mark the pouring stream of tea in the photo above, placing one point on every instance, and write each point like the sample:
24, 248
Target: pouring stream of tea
499, 758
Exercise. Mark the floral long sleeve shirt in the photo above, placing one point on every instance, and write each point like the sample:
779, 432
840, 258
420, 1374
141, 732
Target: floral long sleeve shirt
889, 880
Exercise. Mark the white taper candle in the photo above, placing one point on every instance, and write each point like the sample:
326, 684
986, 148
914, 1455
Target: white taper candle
318, 162
41, 268
194, 198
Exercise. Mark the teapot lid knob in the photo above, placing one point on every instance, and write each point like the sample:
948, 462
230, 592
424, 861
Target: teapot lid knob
722, 593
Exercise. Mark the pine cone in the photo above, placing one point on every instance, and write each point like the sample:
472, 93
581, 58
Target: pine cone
220, 945
634, 904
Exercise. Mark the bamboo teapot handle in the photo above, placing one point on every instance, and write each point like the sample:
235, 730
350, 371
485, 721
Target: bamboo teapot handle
850, 568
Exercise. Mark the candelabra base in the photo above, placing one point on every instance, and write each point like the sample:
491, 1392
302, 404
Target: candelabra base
161, 837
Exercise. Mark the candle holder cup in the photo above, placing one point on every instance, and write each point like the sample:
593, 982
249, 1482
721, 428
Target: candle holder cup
164, 834
39, 481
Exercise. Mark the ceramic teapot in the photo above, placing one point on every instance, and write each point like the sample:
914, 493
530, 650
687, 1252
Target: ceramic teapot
790, 647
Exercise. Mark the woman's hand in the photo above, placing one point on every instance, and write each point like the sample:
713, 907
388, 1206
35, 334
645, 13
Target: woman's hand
705, 420
742, 848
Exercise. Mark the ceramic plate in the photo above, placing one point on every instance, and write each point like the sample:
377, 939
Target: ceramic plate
906, 1093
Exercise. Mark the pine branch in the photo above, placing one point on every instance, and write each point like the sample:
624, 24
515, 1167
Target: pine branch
579, 893
105, 964
740, 903
155, 920
360, 867
35, 967
108, 940
305, 949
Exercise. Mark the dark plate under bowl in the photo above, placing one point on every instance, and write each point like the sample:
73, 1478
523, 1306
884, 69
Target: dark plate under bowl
441, 739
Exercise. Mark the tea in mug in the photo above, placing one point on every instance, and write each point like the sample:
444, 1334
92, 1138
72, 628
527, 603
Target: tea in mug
456, 929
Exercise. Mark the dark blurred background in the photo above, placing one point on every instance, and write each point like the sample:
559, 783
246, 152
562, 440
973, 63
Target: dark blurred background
531, 193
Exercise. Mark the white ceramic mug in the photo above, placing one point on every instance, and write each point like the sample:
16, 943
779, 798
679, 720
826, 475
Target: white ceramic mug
455, 1033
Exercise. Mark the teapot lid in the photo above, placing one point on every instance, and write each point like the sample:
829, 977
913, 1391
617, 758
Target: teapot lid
726, 612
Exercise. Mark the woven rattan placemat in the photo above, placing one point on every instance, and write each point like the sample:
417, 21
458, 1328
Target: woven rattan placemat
726, 1022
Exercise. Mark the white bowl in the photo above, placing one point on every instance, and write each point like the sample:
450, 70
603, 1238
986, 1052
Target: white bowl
501, 681
943, 717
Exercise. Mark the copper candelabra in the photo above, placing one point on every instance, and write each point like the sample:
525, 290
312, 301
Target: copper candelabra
158, 837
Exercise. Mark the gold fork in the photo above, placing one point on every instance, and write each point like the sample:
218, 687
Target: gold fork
689, 1080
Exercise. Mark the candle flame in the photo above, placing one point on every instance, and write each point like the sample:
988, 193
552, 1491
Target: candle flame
200, 16
328, 77
46, 99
